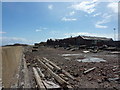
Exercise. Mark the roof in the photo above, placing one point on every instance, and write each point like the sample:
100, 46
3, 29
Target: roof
87, 38
96, 38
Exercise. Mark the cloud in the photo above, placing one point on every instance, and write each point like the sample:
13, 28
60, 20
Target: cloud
113, 6
12, 40
97, 14
38, 30
68, 19
41, 29
2, 32
86, 6
100, 26
76, 34
72, 13
106, 19
106, 16
50, 7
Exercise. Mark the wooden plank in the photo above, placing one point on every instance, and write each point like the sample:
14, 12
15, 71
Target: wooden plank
50, 66
50, 85
89, 70
66, 73
64, 77
57, 77
47, 84
58, 68
38, 79
40, 72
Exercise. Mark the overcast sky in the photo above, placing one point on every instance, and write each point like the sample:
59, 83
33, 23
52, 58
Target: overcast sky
29, 22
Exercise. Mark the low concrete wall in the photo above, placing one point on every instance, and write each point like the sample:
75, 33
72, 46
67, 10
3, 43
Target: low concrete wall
11, 57
0, 68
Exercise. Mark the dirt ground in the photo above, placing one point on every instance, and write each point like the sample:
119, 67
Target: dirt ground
11, 57
105, 75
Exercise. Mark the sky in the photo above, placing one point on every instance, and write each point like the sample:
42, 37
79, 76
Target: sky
31, 22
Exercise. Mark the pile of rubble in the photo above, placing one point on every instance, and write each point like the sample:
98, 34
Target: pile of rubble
48, 75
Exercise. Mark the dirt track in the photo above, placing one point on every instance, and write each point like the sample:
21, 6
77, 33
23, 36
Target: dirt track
11, 57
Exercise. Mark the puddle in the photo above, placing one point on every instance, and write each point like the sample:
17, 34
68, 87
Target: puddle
64, 55
91, 59
105, 55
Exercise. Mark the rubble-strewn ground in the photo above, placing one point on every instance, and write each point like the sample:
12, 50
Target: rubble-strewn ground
105, 75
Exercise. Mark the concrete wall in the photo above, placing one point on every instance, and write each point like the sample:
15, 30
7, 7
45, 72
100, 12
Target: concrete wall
0, 68
11, 57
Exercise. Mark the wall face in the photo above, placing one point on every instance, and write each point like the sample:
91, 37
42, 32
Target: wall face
0, 68
11, 57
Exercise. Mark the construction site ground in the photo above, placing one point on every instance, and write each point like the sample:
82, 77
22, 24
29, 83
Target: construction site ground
88, 74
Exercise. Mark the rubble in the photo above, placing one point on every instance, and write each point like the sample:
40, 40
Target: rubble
115, 52
72, 73
114, 79
89, 70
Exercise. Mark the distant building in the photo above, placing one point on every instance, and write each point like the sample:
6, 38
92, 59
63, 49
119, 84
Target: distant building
81, 40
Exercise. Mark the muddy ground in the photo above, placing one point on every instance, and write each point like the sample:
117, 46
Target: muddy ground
105, 75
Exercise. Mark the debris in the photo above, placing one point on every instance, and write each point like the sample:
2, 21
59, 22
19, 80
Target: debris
38, 79
95, 51
58, 78
36, 44
28, 64
67, 58
114, 79
90, 78
35, 47
66, 73
99, 80
73, 49
40, 72
51, 67
51, 63
86, 51
89, 70
117, 72
111, 48
68, 48
34, 50
63, 76
75, 75
50, 85
116, 52
82, 46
